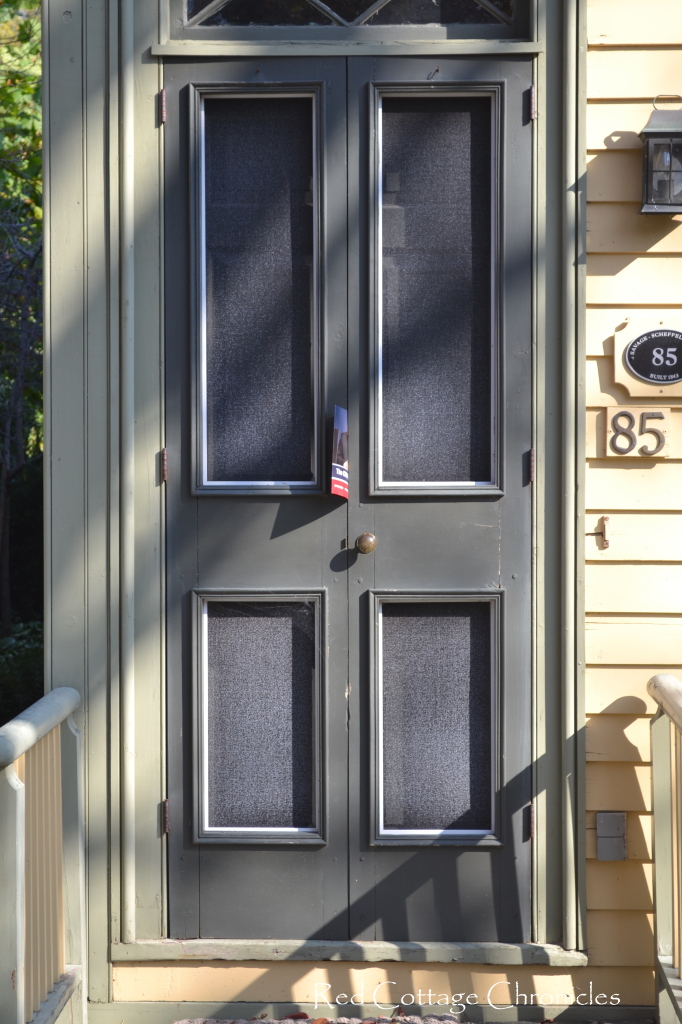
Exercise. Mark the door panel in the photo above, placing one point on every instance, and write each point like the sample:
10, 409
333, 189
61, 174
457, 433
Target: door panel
401, 292
229, 541
457, 540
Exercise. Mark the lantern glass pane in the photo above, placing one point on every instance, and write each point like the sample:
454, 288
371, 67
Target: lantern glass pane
661, 156
677, 156
660, 191
676, 188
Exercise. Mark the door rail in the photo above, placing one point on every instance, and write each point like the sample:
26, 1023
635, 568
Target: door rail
666, 746
35, 982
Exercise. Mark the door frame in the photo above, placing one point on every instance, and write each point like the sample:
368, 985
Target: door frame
557, 40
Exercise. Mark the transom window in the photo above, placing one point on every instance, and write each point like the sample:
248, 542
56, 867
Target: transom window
347, 13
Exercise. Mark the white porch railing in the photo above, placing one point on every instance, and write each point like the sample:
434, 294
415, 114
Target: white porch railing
39, 903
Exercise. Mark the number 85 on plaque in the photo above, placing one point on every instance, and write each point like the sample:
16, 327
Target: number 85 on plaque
638, 432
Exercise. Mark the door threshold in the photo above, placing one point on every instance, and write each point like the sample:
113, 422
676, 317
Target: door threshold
373, 951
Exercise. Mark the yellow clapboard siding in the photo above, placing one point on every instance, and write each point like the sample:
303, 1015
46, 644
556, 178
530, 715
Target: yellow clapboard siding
640, 589
621, 690
660, 21
617, 786
595, 435
603, 391
618, 738
620, 227
614, 176
655, 487
644, 280
639, 836
291, 982
646, 537
619, 885
600, 326
615, 125
622, 937
602, 323
627, 640
619, 74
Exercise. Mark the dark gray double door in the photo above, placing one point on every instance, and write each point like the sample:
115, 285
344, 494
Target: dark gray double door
349, 733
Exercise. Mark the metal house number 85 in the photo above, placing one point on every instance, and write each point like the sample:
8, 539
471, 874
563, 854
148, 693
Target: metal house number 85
623, 439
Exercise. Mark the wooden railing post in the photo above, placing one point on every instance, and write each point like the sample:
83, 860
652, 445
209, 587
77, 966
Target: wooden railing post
666, 748
663, 836
32, 968
12, 871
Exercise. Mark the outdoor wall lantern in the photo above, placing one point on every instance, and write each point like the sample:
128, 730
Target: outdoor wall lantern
662, 168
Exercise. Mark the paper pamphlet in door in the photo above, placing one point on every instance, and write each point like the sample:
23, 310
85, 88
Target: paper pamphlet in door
340, 453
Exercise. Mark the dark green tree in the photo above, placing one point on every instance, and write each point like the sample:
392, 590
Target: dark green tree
21, 329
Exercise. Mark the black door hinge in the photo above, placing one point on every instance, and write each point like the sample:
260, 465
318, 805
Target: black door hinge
531, 465
166, 817
531, 821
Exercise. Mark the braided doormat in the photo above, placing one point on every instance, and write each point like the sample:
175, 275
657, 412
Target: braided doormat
431, 1019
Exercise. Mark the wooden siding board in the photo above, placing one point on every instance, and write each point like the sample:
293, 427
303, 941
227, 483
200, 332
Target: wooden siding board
618, 74
626, 640
602, 324
243, 983
629, 27
619, 227
620, 937
618, 786
644, 589
620, 690
643, 537
619, 279
614, 176
619, 885
651, 487
615, 124
602, 391
611, 737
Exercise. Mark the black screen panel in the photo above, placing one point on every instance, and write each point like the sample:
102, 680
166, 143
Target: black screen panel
259, 709
437, 330
436, 707
259, 289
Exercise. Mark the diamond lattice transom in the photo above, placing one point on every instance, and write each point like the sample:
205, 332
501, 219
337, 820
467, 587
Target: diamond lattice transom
347, 12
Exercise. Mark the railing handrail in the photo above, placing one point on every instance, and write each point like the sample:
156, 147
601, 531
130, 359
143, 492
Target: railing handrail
24, 731
666, 690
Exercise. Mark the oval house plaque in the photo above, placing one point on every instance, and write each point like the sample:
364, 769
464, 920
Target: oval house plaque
656, 357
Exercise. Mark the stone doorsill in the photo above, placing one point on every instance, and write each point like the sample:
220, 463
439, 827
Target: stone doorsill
369, 952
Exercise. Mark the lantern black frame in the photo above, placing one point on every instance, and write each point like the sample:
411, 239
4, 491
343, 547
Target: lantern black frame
664, 126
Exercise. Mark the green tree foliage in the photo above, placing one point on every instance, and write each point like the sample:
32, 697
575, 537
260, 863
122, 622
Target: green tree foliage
21, 328
20, 264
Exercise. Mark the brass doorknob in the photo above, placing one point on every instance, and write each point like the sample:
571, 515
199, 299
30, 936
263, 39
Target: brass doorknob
365, 543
